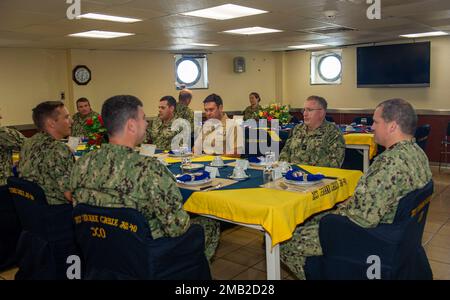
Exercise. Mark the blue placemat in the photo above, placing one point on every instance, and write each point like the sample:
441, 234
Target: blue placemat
254, 181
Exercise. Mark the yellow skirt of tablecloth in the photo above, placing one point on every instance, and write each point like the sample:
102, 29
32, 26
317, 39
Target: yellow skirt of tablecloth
362, 139
277, 211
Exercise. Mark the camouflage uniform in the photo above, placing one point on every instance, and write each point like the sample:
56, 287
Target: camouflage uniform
159, 133
117, 176
323, 147
393, 174
184, 112
252, 113
78, 123
10, 139
47, 162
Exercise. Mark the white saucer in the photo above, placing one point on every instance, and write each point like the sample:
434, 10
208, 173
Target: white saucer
239, 178
217, 166
196, 182
193, 167
259, 164
302, 183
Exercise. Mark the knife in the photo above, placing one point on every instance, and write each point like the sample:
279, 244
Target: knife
206, 187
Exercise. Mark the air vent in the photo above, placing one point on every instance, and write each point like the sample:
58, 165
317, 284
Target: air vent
328, 29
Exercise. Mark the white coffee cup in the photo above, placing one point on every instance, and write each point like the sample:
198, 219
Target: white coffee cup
217, 161
73, 142
284, 166
147, 149
239, 172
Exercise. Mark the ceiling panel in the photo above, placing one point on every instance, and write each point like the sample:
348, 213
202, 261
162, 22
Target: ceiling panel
43, 23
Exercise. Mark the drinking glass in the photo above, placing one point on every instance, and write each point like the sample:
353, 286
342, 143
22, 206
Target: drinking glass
270, 158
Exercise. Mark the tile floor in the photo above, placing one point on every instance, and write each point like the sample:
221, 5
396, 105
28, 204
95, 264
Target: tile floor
241, 255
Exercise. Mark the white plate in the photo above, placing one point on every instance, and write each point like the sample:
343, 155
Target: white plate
260, 164
302, 183
217, 166
240, 178
193, 167
195, 183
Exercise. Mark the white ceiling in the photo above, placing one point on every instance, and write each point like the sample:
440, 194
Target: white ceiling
43, 23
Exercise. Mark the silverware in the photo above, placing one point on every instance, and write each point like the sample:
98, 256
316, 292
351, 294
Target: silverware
217, 186
290, 188
206, 187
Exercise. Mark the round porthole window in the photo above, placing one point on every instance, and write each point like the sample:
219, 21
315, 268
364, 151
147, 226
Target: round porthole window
188, 71
330, 67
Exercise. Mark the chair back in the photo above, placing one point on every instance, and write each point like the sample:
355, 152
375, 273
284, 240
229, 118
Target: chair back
347, 246
412, 210
9, 229
30, 203
47, 237
329, 119
107, 235
254, 138
368, 119
421, 135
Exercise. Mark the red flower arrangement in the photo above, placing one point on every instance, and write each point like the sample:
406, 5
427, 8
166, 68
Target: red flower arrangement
96, 132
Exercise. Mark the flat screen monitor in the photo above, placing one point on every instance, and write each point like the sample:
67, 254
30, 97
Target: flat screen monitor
399, 65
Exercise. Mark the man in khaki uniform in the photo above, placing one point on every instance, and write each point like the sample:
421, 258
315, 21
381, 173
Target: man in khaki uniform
402, 168
215, 131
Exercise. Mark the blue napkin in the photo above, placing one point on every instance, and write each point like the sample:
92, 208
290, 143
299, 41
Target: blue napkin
254, 160
193, 177
292, 175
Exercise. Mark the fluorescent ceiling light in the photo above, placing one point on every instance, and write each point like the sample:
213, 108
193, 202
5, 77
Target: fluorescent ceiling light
95, 16
307, 46
424, 34
98, 34
225, 12
203, 45
252, 30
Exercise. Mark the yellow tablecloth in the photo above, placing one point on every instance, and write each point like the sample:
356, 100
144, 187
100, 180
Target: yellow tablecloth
15, 157
350, 139
362, 139
278, 212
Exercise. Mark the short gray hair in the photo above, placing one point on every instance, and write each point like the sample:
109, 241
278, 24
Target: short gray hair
400, 111
320, 100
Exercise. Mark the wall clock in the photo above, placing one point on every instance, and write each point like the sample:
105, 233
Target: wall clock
81, 75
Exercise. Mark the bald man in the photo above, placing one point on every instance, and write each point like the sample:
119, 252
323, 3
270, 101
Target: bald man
182, 109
